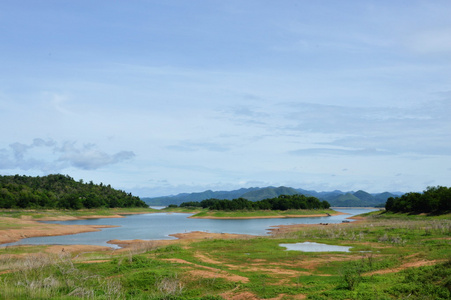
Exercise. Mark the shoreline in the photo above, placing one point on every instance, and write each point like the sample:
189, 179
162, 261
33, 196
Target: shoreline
185, 237
36, 228
269, 217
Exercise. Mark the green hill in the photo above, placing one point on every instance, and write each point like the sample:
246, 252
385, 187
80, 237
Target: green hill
335, 198
364, 196
346, 200
268, 193
61, 191
382, 197
196, 197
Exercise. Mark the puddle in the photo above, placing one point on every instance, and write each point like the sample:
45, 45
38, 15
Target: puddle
315, 247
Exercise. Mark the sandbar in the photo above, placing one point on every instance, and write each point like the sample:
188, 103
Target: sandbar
31, 228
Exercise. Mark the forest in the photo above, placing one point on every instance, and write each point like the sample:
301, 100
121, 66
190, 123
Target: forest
432, 200
282, 202
61, 191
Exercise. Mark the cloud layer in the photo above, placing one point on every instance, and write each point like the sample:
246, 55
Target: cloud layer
47, 156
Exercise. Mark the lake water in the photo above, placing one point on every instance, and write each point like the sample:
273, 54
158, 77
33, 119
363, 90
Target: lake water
315, 247
159, 226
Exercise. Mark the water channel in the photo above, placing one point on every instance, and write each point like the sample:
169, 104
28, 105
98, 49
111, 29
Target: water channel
158, 226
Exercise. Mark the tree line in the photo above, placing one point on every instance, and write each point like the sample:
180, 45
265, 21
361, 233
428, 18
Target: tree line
433, 199
61, 191
282, 202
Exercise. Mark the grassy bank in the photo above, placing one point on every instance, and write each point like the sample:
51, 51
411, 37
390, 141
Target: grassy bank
243, 214
41, 214
184, 210
393, 257
240, 214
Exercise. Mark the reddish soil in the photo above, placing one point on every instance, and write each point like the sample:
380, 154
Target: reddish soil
209, 272
32, 228
414, 264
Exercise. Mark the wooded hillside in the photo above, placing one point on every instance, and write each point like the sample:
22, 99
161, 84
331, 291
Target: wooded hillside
434, 199
61, 191
283, 202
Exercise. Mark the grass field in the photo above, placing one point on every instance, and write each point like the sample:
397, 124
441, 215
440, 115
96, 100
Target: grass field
393, 257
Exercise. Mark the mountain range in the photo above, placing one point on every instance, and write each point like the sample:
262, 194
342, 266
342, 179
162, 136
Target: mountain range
335, 198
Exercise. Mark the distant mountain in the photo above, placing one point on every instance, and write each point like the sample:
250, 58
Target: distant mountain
335, 198
364, 196
384, 196
185, 197
359, 199
347, 200
269, 192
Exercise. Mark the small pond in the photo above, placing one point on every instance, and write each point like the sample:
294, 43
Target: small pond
315, 247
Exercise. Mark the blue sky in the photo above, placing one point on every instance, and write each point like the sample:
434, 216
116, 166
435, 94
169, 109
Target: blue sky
163, 97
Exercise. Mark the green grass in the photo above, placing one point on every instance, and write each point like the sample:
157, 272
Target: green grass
186, 210
9, 225
388, 241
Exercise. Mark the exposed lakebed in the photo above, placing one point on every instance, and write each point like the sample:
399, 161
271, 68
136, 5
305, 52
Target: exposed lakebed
159, 226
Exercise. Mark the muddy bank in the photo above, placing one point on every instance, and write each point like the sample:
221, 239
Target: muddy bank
29, 228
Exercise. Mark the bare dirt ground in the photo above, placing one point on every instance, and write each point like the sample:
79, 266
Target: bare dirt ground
249, 296
209, 272
413, 264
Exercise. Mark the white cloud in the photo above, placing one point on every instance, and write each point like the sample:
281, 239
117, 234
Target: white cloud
89, 158
46, 156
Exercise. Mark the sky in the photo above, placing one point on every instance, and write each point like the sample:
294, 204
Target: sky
160, 97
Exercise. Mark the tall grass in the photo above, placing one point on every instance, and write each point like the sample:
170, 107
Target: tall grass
45, 276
